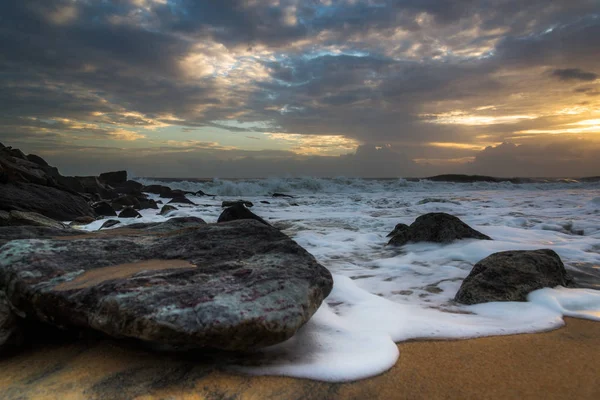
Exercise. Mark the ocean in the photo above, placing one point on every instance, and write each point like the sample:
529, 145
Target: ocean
383, 295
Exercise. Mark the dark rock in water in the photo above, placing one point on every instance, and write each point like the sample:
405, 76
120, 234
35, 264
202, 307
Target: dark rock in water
125, 201
398, 229
265, 202
167, 209
163, 191
115, 178
146, 204
19, 218
129, 212
181, 199
246, 203
168, 225
179, 192
438, 228
282, 195
239, 211
511, 276
201, 193
8, 233
48, 201
459, 178
234, 286
109, 223
129, 187
104, 209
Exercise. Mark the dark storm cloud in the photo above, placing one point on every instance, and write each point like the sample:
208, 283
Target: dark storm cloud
574, 74
377, 71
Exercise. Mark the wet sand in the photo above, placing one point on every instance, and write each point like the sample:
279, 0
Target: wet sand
562, 364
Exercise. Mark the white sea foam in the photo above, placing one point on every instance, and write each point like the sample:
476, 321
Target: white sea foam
384, 295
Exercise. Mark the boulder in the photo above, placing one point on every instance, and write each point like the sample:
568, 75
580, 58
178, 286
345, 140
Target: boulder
125, 201
228, 203
10, 328
129, 212
236, 286
167, 209
147, 204
114, 179
239, 211
90, 185
48, 201
181, 199
129, 187
511, 276
438, 228
104, 209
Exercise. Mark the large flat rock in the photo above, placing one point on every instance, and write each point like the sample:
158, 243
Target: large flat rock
234, 286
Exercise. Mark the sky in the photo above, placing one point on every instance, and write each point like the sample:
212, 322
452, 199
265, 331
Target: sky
261, 88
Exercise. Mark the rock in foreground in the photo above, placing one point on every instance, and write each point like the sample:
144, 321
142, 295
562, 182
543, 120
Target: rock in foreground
235, 286
435, 227
511, 276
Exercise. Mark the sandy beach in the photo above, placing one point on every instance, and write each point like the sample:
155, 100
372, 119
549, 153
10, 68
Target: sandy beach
552, 365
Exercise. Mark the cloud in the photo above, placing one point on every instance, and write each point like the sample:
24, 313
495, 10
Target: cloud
574, 74
437, 80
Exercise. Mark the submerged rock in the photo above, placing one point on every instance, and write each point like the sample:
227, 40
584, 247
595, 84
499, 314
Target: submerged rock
512, 275
167, 209
438, 228
282, 195
235, 286
239, 211
109, 223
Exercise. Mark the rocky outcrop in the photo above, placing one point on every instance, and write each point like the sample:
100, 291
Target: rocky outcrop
162, 191
511, 276
239, 211
436, 227
114, 179
28, 183
46, 200
235, 286
171, 224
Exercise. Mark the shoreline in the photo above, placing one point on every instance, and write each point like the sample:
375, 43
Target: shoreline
559, 364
